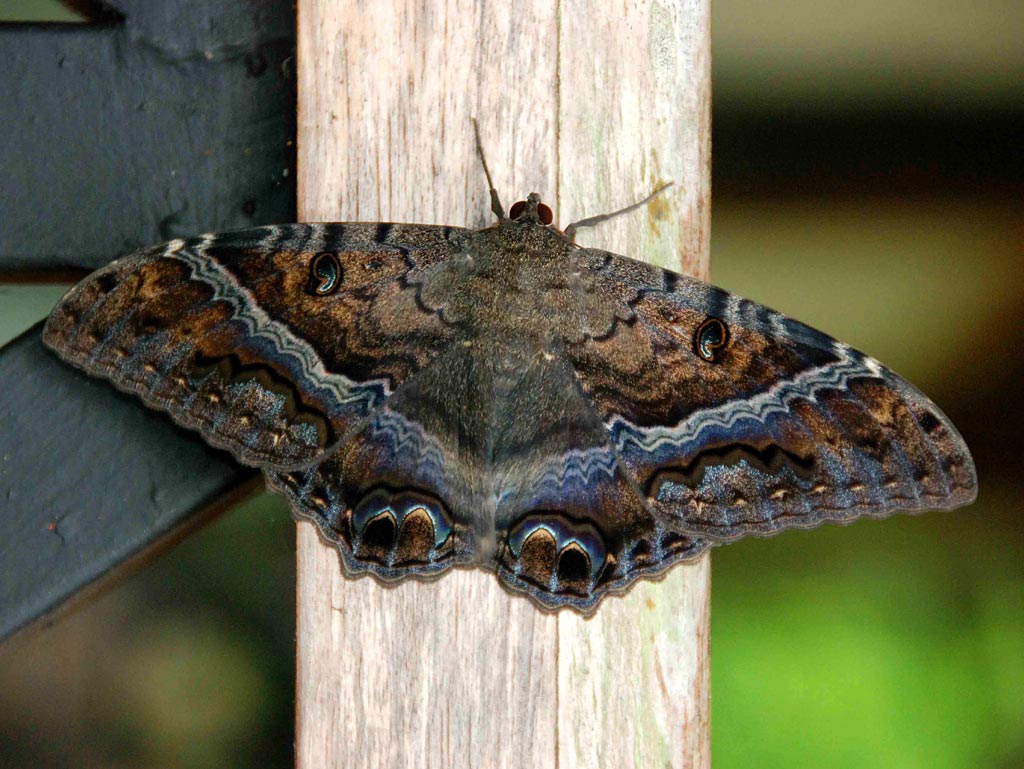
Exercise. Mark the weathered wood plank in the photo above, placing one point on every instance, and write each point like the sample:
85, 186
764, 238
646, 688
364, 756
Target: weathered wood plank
590, 108
634, 680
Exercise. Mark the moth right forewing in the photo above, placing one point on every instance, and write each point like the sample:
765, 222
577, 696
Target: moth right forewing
738, 420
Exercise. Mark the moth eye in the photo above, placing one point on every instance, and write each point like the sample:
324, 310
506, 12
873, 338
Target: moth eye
710, 340
546, 217
517, 209
324, 274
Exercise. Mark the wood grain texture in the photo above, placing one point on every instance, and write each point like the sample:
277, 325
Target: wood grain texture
591, 109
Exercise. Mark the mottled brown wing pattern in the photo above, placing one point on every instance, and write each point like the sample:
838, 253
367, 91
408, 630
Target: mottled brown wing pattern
771, 425
234, 336
569, 419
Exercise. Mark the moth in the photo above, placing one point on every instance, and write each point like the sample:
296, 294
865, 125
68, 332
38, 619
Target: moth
570, 419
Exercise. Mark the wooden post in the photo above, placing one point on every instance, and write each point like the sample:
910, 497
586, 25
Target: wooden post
591, 107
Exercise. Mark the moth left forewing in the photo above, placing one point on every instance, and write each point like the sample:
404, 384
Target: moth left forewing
736, 419
152, 327
270, 342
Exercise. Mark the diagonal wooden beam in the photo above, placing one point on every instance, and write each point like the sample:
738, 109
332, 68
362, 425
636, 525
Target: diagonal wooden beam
164, 118
91, 482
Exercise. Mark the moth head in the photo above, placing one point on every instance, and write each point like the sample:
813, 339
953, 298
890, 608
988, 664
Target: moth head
531, 210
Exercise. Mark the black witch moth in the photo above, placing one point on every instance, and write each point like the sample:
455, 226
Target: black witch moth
568, 418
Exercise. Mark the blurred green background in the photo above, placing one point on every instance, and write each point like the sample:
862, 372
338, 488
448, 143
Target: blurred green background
867, 179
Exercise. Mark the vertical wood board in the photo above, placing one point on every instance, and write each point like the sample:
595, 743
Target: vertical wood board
591, 108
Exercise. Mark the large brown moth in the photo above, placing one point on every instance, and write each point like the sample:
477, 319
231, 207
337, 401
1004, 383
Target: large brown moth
571, 419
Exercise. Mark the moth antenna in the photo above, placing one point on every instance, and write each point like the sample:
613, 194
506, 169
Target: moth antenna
570, 231
496, 206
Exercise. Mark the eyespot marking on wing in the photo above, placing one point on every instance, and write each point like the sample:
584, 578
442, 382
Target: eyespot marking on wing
325, 274
554, 552
710, 339
399, 528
